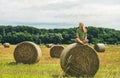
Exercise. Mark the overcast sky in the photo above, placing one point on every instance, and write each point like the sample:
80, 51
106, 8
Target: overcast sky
67, 13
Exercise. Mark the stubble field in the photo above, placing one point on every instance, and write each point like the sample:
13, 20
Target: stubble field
50, 67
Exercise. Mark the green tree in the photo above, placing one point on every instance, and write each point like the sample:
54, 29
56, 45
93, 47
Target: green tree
22, 36
0, 38
18, 34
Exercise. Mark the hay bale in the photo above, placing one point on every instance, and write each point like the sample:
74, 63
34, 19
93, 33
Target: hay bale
56, 50
49, 45
79, 60
27, 52
6, 45
99, 47
0, 44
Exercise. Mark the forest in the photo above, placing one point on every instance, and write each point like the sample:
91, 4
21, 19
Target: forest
16, 34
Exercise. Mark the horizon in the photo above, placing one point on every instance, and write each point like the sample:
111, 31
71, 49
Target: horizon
48, 25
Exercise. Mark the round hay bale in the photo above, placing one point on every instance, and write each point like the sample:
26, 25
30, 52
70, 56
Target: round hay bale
27, 52
79, 60
0, 44
6, 45
49, 45
99, 47
56, 50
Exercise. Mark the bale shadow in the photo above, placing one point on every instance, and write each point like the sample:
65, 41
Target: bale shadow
20, 63
67, 76
12, 63
55, 76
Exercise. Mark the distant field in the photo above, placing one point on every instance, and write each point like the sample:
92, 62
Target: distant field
50, 67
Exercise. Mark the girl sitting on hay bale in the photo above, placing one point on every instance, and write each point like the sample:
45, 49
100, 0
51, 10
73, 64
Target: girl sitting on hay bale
81, 34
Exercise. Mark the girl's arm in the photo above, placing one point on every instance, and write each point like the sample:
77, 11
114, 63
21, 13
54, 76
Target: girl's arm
86, 37
85, 40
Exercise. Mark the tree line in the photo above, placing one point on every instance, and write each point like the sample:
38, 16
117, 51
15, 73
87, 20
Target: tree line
16, 34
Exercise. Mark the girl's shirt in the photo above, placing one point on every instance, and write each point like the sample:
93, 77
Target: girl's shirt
81, 34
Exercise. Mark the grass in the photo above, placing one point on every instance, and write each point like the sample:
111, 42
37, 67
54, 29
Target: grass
50, 68
23, 71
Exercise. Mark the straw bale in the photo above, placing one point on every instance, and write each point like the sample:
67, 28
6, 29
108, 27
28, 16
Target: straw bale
99, 47
49, 45
0, 44
27, 52
56, 50
6, 45
79, 60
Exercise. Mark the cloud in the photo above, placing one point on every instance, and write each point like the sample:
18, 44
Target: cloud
101, 13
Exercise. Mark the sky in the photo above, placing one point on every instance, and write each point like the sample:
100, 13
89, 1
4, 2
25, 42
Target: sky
60, 13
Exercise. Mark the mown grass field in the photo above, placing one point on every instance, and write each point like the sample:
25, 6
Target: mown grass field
50, 67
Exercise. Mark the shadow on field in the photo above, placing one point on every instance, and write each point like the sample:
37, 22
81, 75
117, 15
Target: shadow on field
61, 75
55, 76
12, 63
66, 76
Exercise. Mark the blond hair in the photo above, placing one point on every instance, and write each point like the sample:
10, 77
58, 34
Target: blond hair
81, 25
